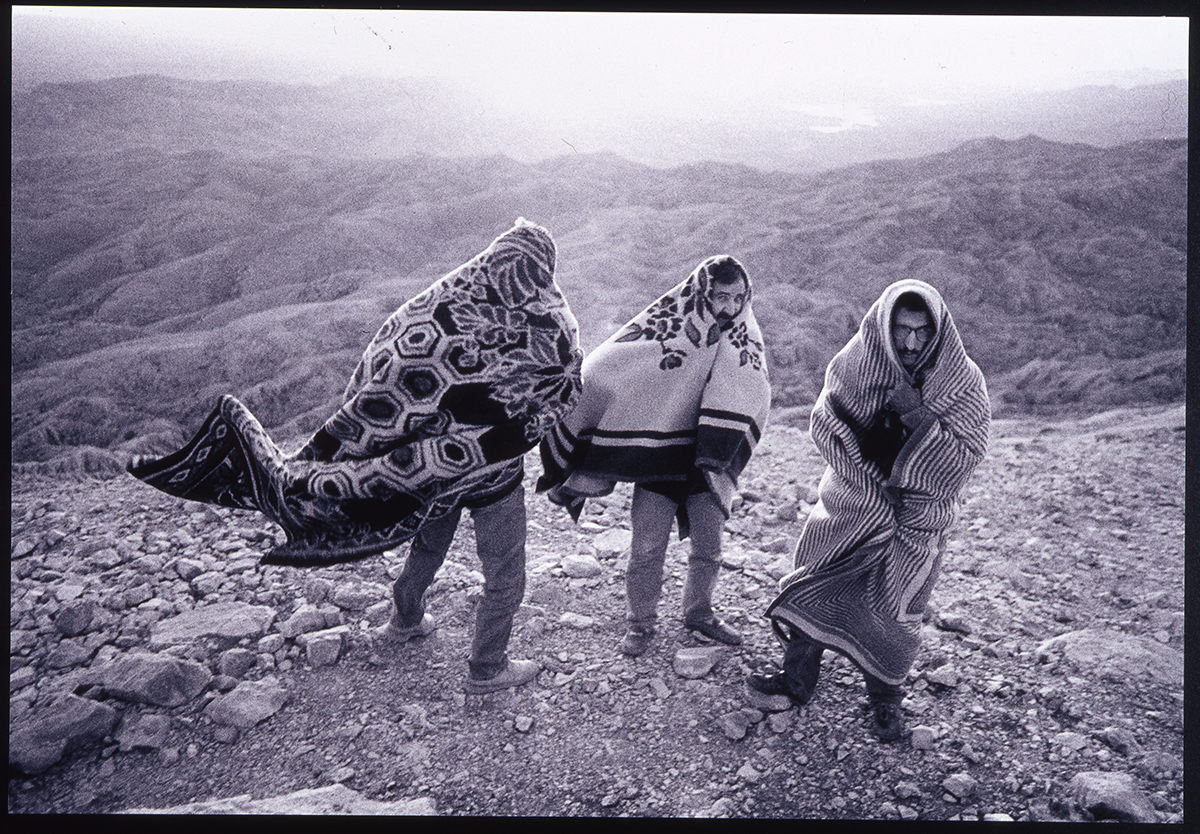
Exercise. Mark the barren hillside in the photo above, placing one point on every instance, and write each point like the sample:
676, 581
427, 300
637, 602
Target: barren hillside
146, 284
1049, 684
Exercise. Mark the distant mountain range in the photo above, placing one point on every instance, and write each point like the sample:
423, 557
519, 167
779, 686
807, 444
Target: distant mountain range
173, 241
383, 119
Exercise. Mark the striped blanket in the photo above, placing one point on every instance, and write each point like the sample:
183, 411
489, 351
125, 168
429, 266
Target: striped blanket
871, 548
672, 390
457, 384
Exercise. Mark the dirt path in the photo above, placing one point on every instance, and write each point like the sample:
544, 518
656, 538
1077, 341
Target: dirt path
1068, 528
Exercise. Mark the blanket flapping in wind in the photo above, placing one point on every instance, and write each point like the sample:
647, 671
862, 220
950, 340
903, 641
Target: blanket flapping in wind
870, 550
455, 386
671, 390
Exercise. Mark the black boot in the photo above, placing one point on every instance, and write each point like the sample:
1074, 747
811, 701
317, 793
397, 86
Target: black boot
795, 684
883, 700
886, 721
775, 692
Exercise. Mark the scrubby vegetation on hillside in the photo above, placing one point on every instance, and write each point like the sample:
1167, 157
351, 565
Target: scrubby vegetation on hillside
146, 283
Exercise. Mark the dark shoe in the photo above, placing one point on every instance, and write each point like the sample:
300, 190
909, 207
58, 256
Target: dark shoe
886, 721
396, 634
774, 693
516, 673
714, 629
637, 640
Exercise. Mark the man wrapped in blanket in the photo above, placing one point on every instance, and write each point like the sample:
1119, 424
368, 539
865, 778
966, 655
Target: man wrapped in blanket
674, 402
902, 421
453, 389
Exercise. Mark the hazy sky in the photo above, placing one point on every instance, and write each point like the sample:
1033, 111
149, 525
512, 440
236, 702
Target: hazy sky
843, 66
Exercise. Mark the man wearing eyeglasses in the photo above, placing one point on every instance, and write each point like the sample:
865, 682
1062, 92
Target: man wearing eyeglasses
902, 421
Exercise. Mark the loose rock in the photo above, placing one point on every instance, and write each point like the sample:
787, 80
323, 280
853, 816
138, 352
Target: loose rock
236, 662
69, 653
248, 704
331, 800
1101, 795
573, 620
923, 738
960, 785
748, 773
154, 679
188, 569
1118, 739
142, 732
1116, 655
358, 596
734, 724
74, 618
37, 742
322, 648
945, 675
234, 620
581, 566
696, 661
612, 542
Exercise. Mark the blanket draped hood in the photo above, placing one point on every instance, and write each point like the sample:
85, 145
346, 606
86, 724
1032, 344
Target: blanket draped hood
870, 550
671, 391
456, 385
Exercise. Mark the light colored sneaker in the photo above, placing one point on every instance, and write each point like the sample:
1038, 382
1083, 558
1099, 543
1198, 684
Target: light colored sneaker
392, 633
715, 629
517, 673
637, 640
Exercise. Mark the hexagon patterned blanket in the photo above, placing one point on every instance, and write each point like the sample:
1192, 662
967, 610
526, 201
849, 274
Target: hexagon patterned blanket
455, 387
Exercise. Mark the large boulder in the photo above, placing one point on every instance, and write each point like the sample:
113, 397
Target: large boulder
231, 620
41, 739
333, 799
1102, 795
248, 703
1115, 655
143, 678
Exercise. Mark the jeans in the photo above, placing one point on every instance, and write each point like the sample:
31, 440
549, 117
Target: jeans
802, 665
651, 516
500, 543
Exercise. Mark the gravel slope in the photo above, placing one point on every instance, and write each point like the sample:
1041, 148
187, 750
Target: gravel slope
1067, 528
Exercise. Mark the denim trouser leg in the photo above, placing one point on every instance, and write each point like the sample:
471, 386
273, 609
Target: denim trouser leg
500, 543
425, 556
650, 516
706, 521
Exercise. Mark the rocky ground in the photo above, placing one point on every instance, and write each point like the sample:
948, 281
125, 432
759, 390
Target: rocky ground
155, 664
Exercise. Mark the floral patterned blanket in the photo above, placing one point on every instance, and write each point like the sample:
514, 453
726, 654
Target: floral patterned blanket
457, 384
672, 390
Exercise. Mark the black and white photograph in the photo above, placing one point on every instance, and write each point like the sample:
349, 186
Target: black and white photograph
675, 414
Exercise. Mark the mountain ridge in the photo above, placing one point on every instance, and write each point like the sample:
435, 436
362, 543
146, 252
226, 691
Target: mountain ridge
153, 282
382, 118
